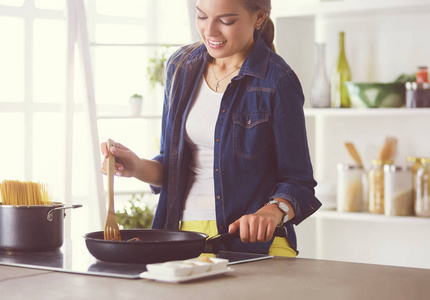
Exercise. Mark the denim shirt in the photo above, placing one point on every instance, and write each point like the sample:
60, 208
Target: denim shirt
260, 151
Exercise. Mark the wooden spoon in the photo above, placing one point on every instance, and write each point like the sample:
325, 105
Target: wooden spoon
111, 231
388, 149
354, 153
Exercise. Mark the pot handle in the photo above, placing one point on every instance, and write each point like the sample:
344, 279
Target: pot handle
50, 216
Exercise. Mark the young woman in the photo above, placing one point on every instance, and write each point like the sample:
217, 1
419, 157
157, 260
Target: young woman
234, 153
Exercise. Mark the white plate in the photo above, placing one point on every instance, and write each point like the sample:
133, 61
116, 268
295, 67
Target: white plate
178, 279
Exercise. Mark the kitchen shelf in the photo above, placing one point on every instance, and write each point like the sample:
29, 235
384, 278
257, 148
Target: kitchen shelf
374, 29
282, 8
368, 217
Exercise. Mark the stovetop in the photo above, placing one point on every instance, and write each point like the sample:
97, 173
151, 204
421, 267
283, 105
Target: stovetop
73, 257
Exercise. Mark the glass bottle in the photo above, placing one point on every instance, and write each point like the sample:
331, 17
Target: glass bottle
320, 91
340, 74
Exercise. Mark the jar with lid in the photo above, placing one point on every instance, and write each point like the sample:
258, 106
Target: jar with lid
376, 185
422, 185
349, 188
398, 199
414, 163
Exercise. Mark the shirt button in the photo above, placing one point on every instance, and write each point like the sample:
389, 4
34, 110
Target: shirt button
221, 227
217, 140
216, 170
224, 110
218, 197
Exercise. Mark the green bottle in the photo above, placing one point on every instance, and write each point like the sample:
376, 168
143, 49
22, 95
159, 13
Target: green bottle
341, 74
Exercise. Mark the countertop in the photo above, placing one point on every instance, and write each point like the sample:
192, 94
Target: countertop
277, 278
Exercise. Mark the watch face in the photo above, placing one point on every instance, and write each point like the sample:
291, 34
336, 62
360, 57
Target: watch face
283, 207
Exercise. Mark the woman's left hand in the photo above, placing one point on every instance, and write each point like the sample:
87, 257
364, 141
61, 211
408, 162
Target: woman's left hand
260, 226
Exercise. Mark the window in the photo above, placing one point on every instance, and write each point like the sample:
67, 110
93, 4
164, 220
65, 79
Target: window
124, 35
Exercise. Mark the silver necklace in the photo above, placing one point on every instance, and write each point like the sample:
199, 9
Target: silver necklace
219, 80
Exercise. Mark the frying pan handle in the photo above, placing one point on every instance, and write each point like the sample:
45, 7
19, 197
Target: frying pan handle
213, 243
50, 216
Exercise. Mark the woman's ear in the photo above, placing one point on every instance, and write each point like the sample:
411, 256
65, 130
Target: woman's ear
260, 18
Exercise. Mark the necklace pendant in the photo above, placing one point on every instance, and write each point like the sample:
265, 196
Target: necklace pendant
217, 86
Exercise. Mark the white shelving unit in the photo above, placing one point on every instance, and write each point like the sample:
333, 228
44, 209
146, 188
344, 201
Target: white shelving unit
383, 39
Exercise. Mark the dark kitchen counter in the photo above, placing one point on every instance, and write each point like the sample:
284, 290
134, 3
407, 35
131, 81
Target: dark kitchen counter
277, 278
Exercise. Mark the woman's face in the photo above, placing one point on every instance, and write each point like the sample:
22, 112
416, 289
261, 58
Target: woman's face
226, 27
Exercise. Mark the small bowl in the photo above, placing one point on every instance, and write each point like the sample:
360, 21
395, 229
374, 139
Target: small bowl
215, 264
374, 95
198, 267
218, 264
170, 269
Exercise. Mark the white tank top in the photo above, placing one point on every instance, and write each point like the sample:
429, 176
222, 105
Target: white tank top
200, 135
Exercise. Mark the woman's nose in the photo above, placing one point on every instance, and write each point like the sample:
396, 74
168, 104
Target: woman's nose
212, 28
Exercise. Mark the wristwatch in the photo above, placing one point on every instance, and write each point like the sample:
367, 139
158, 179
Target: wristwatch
283, 207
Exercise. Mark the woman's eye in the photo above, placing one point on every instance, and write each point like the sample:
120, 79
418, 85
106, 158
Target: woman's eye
227, 23
201, 17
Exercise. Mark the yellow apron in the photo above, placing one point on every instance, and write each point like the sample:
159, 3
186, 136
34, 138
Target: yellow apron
279, 247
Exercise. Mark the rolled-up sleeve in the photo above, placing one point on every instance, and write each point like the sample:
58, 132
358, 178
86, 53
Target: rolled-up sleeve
294, 169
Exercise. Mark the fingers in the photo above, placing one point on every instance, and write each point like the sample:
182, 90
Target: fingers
254, 228
233, 226
103, 147
115, 150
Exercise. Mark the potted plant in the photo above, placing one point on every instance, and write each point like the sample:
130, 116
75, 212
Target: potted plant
135, 104
156, 69
136, 214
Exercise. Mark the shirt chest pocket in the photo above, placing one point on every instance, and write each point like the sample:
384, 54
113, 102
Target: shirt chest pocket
250, 133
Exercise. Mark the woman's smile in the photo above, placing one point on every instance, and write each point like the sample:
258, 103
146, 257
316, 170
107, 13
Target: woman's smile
215, 44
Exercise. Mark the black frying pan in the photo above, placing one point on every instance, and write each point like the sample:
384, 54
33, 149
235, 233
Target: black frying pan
153, 245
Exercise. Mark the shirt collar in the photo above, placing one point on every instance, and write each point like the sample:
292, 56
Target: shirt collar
256, 62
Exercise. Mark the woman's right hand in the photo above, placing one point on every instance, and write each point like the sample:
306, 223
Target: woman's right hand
126, 161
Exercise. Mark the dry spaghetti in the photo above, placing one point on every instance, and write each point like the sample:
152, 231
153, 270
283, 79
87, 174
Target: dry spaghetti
14, 192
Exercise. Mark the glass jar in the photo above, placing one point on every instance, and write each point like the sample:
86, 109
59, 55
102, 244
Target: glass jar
414, 163
398, 199
376, 185
422, 193
417, 94
349, 188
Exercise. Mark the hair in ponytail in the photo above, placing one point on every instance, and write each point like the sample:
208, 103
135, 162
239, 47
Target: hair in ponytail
267, 29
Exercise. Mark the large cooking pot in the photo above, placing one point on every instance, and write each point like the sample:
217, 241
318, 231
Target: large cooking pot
153, 245
32, 227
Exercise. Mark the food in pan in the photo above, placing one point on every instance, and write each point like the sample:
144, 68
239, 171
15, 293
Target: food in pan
14, 192
134, 240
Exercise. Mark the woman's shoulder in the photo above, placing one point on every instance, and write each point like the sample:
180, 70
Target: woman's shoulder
278, 64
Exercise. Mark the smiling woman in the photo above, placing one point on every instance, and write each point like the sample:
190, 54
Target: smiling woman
242, 171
